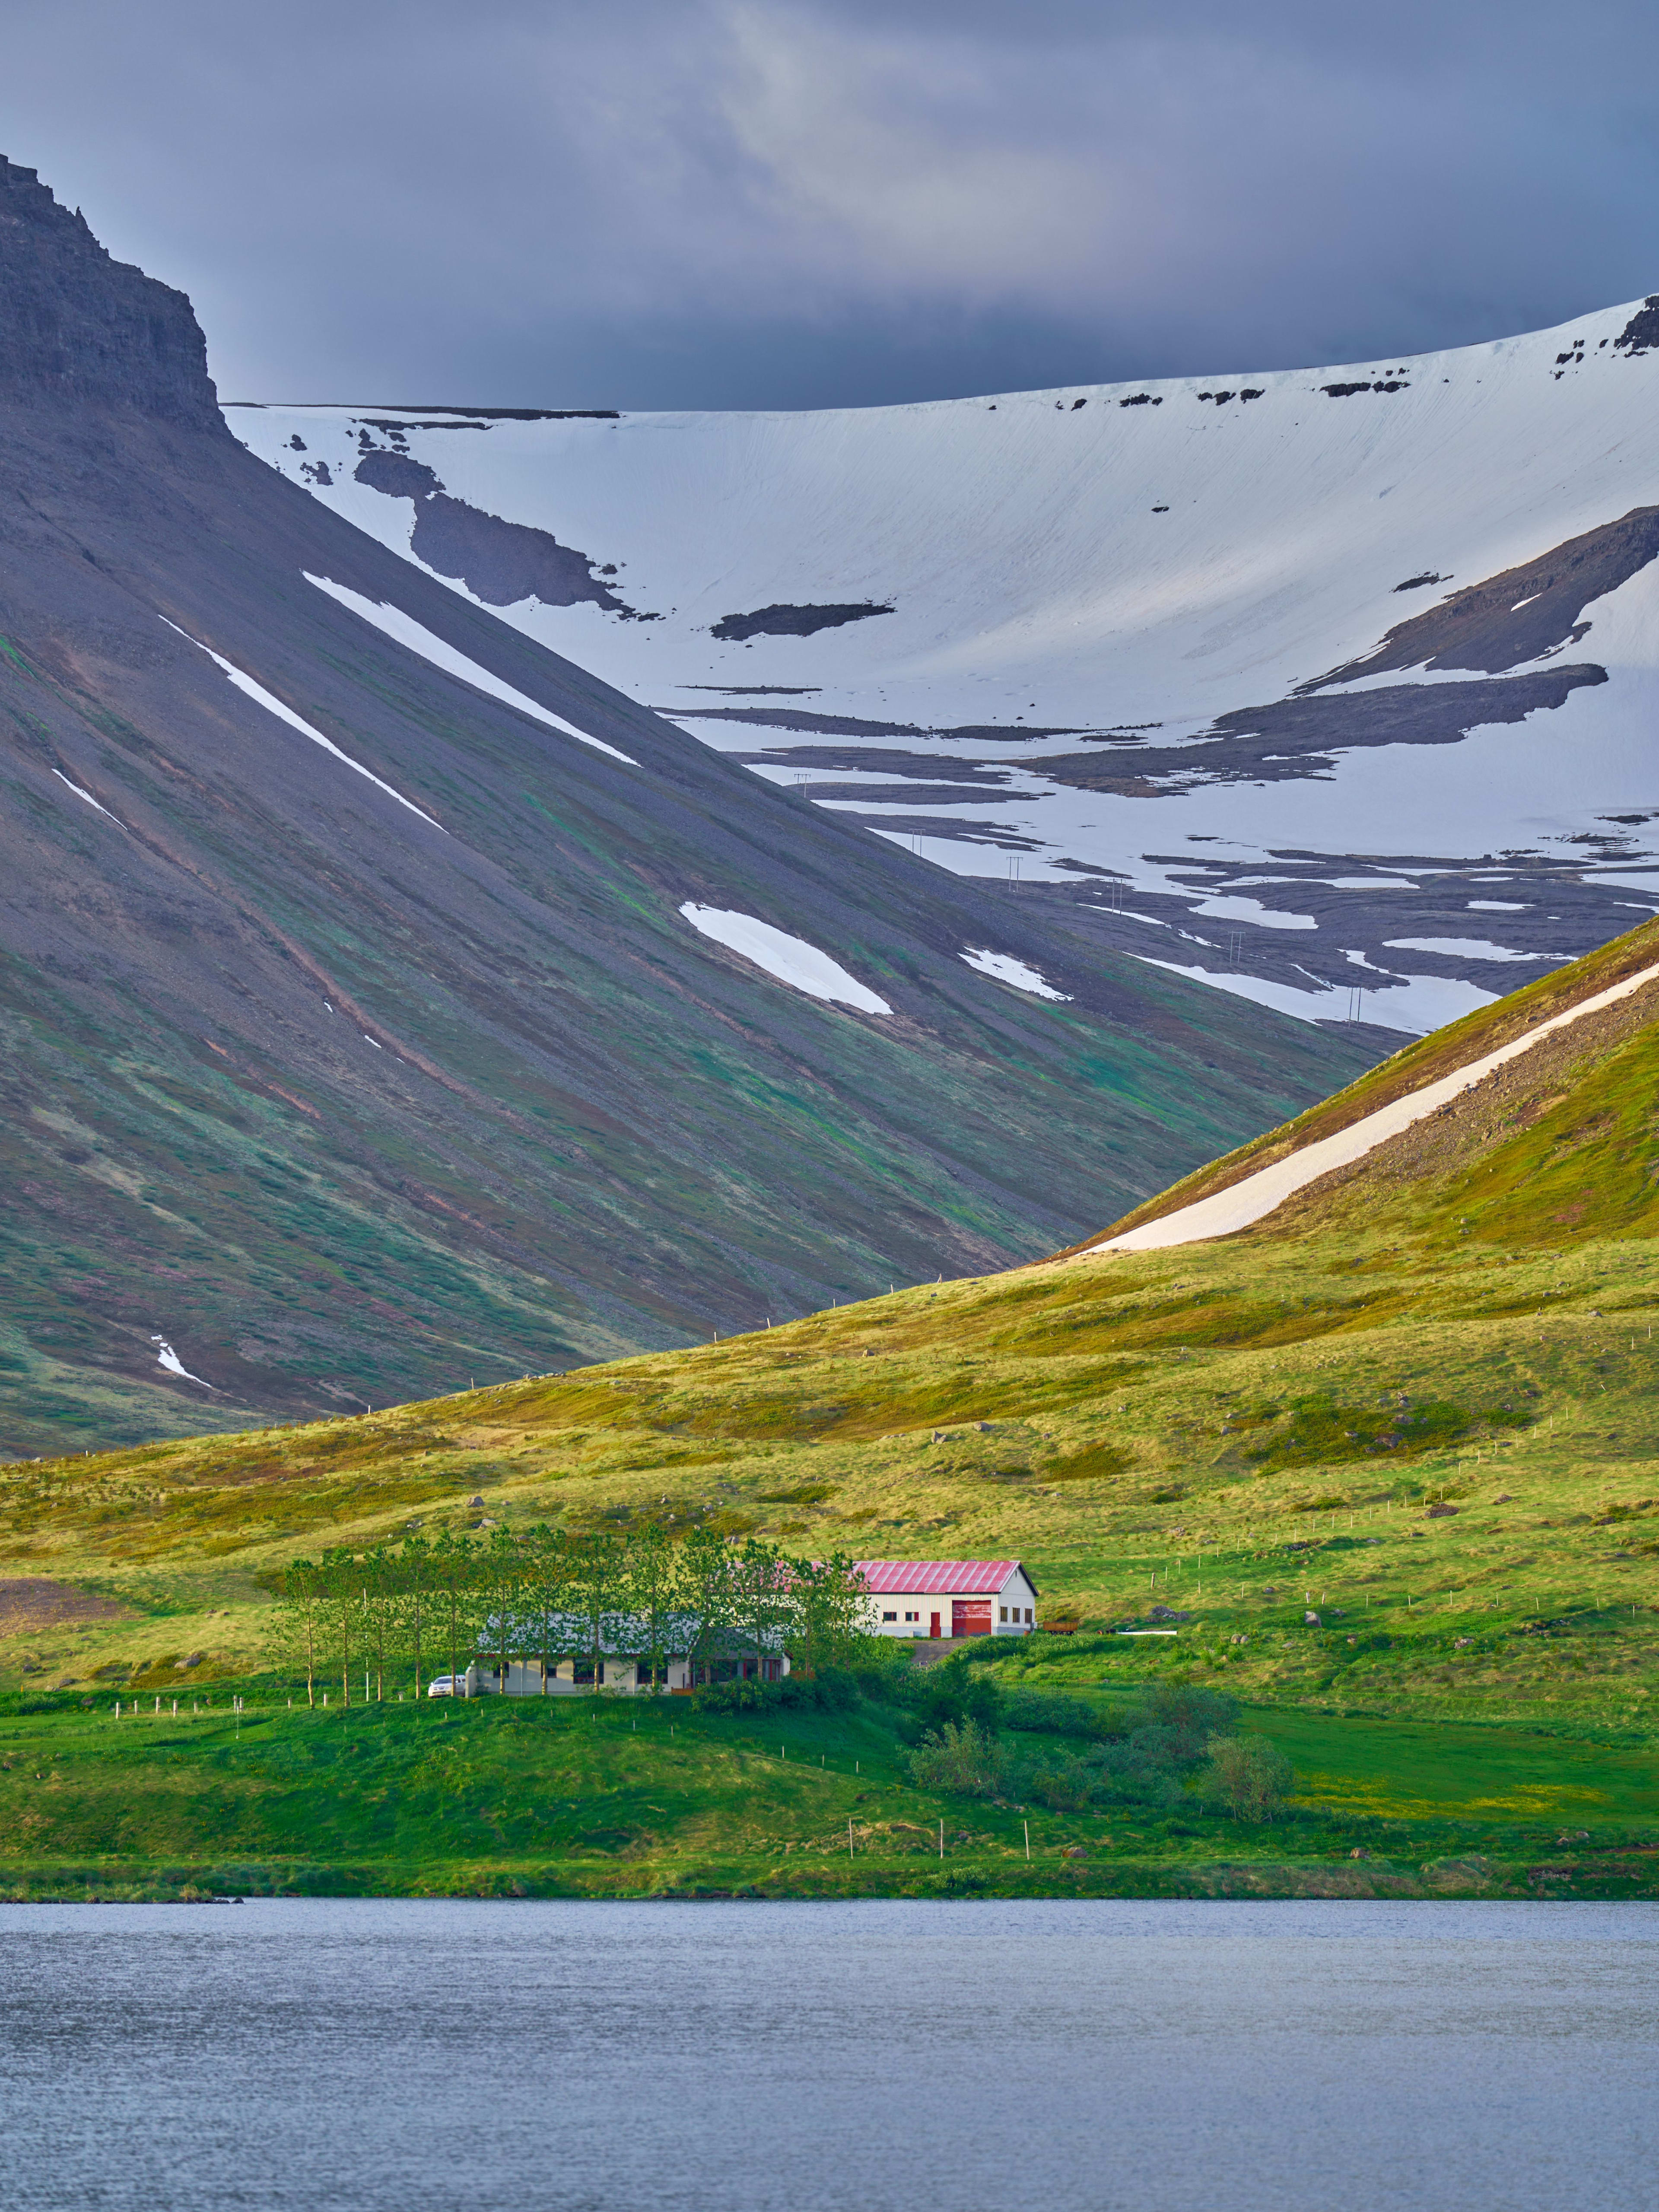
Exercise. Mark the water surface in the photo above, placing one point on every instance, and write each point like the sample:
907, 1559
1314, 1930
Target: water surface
893, 2057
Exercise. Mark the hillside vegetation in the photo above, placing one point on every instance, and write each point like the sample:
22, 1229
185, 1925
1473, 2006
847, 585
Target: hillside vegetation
1389, 1457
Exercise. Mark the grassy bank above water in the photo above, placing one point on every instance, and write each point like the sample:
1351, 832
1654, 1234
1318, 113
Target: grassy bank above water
614, 1798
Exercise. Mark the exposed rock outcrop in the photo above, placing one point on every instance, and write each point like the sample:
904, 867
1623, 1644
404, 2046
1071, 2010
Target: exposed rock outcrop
82, 329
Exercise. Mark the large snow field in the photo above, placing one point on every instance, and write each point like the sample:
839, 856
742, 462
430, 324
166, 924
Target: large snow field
1119, 570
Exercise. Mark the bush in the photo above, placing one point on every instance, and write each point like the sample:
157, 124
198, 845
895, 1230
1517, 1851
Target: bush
1137, 1758
831, 1690
1187, 1718
1041, 1713
951, 1695
1247, 1775
967, 1759
1126, 1773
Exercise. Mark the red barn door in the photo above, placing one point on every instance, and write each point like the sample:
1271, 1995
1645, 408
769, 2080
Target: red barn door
971, 1616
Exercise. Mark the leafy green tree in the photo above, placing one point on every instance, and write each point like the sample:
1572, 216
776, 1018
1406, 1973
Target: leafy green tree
1248, 1775
411, 1600
599, 1589
502, 1574
342, 1580
1188, 1715
830, 1601
966, 1758
380, 1579
455, 1577
654, 1595
763, 1601
550, 1575
305, 1619
957, 1694
708, 1596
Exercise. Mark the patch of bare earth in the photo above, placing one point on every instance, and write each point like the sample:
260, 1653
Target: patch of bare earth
30, 1603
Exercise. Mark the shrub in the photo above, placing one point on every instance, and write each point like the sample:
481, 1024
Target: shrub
733, 1697
1042, 1714
964, 1758
951, 1694
831, 1690
1187, 1717
1247, 1775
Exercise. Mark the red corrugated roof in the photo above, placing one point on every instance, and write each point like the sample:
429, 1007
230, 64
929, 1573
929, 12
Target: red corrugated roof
939, 1578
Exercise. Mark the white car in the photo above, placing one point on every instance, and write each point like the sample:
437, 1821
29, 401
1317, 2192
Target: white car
443, 1686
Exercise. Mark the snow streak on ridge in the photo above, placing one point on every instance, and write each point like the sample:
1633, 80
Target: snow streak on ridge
1242, 1204
273, 705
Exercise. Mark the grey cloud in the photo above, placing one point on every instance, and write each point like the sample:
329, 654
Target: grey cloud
720, 203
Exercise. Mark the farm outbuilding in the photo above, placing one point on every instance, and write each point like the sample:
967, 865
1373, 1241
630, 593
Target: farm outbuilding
538, 1663
950, 1597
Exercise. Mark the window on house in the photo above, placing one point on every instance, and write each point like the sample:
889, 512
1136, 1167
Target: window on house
913, 1616
1028, 1613
891, 1616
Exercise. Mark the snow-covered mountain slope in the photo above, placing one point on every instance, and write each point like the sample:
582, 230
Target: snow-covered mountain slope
385, 1000
1128, 640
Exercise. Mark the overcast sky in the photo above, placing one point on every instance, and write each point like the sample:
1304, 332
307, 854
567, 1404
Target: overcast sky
753, 203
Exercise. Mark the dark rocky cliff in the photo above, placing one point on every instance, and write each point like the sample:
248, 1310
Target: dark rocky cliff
78, 328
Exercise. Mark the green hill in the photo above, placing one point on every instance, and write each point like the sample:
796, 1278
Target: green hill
1390, 1452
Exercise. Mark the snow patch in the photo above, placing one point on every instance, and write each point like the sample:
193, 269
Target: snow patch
1250, 909
1258, 1194
274, 706
790, 959
1418, 1003
167, 1357
1466, 948
1003, 968
88, 796
404, 629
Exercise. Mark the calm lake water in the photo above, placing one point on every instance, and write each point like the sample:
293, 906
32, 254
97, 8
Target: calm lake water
936, 2057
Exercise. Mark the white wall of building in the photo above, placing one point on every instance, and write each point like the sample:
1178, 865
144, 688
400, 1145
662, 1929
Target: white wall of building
1013, 1609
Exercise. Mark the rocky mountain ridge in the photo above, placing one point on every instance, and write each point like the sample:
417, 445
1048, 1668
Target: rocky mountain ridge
388, 1001
83, 330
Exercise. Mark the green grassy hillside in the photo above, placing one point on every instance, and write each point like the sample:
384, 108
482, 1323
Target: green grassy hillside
1391, 1453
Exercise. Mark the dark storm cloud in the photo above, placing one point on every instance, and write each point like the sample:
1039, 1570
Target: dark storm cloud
742, 203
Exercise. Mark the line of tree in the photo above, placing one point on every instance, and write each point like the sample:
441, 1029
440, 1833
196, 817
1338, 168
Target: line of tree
405, 1612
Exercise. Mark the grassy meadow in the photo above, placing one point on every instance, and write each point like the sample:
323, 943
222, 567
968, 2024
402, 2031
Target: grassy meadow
1390, 1456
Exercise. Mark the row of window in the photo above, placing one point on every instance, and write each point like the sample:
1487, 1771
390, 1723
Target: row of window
1003, 1614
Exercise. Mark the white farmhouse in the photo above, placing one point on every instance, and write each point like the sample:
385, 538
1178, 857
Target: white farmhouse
949, 1597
